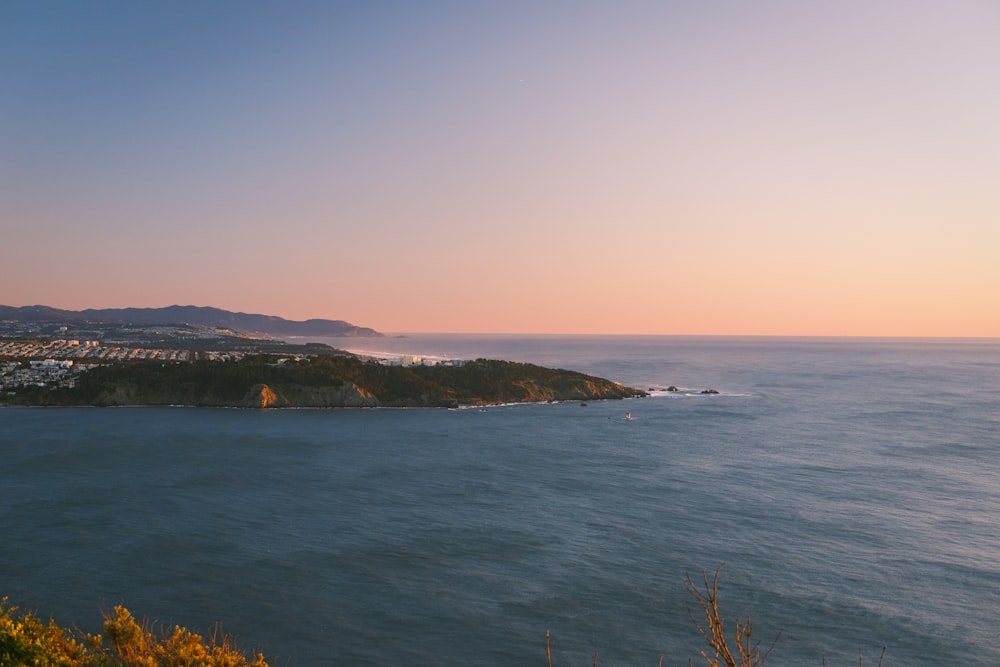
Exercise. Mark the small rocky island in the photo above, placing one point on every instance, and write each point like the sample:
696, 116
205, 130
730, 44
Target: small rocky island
322, 381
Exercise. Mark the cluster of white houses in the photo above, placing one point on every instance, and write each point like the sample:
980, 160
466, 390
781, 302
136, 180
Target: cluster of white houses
51, 364
40, 373
88, 349
57, 363
410, 360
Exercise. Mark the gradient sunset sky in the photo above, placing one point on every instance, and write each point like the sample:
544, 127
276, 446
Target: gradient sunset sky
698, 167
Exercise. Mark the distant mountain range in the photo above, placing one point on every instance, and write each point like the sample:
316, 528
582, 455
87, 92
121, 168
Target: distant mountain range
213, 317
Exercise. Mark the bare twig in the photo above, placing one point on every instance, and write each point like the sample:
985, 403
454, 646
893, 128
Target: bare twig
743, 653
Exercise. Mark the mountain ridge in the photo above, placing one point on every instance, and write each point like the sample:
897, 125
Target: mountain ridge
248, 323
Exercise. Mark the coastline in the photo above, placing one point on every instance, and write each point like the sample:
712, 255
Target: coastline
264, 382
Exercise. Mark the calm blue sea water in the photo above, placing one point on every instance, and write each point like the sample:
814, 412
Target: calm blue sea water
852, 489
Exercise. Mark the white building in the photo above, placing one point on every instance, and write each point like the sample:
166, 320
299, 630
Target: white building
51, 363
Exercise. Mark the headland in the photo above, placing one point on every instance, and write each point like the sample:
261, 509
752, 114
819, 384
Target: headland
43, 361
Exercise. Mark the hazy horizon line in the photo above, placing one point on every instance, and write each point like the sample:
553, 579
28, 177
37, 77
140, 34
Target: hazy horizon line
398, 333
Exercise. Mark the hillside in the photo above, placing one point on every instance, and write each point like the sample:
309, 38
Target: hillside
323, 381
268, 325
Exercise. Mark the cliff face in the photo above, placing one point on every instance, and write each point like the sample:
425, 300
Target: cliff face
262, 396
347, 395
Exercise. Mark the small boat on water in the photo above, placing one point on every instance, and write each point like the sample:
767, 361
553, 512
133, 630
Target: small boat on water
628, 416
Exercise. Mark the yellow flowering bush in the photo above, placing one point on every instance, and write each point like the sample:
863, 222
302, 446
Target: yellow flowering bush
25, 641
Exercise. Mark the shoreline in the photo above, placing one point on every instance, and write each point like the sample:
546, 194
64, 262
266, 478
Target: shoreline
265, 382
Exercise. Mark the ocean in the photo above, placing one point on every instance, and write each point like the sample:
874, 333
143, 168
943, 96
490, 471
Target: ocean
848, 488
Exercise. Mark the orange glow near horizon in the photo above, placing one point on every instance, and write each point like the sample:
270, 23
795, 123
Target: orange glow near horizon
773, 169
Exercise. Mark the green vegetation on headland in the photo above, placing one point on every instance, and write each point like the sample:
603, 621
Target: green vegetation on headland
267, 381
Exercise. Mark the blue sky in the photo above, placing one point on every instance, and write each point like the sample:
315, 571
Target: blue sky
637, 167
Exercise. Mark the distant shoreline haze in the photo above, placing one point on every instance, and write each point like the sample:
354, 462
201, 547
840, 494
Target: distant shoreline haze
203, 315
312, 328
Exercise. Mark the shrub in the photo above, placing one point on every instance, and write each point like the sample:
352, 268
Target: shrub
135, 644
27, 642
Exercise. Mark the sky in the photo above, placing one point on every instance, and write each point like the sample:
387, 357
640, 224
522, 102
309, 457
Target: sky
671, 167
